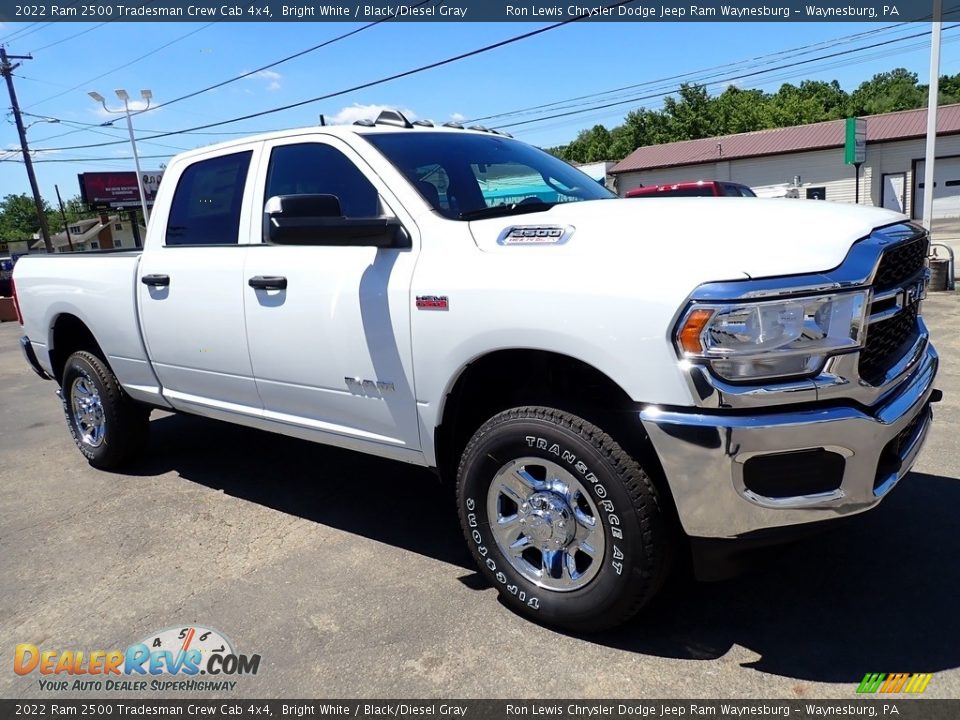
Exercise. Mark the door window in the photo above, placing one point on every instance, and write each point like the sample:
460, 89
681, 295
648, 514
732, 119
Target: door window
315, 168
206, 203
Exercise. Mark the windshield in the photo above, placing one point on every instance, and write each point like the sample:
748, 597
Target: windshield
468, 176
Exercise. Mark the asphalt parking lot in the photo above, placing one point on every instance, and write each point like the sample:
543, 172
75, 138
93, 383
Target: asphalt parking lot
350, 577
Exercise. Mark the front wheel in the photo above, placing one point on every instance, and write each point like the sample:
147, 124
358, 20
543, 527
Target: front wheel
108, 427
562, 521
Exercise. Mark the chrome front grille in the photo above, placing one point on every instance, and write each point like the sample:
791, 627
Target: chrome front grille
899, 285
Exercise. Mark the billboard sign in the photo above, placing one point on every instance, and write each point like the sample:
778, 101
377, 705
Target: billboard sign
117, 190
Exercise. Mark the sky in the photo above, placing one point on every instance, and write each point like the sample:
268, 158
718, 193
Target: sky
563, 64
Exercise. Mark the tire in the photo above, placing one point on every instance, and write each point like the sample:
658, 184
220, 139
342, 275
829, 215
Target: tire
107, 426
525, 474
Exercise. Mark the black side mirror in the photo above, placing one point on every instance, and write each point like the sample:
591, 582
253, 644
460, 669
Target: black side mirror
318, 220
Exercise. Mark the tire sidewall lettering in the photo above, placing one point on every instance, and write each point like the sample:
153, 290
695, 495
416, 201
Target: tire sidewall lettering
579, 467
615, 556
531, 601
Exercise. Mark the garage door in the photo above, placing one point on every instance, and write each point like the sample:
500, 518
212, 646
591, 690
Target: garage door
946, 189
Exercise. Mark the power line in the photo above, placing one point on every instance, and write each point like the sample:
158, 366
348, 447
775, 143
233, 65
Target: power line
94, 127
24, 31
363, 86
602, 115
122, 66
260, 69
91, 159
215, 86
101, 130
748, 63
70, 37
726, 67
726, 79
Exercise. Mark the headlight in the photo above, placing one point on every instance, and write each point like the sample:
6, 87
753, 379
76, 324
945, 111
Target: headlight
772, 338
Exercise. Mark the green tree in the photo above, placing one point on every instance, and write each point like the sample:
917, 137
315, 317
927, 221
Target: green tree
949, 89
692, 115
18, 217
887, 92
812, 101
737, 111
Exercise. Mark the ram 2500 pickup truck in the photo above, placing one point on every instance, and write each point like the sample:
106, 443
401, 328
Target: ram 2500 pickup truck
606, 381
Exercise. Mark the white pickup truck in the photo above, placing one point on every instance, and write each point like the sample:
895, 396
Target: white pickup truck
609, 383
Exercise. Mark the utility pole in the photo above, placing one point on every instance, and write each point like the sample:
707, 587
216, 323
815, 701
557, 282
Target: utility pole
63, 214
6, 69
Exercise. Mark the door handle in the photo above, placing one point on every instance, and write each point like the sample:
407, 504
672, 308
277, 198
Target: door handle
268, 282
156, 280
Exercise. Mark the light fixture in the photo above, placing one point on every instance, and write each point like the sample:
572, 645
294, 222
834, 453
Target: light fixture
125, 97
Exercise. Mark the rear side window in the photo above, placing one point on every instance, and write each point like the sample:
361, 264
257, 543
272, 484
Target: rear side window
315, 168
206, 203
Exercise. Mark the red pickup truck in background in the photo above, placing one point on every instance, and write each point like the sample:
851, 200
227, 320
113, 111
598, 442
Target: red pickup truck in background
701, 188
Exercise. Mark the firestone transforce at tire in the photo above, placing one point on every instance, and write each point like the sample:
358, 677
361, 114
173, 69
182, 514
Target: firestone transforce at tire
108, 427
566, 525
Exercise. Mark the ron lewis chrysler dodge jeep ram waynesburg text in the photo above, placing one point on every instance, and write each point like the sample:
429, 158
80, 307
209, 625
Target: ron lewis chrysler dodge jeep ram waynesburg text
605, 380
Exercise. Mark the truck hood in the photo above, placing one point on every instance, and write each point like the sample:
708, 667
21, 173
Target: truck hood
711, 238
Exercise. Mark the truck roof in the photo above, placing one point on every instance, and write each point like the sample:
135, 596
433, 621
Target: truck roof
387, 121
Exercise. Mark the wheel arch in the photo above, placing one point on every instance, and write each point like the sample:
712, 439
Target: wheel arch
68, 334
491, 383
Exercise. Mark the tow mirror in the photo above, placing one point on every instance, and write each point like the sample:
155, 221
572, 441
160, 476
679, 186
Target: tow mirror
319, 220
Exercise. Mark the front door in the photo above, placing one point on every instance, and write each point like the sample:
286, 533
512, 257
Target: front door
894, 189
331, 350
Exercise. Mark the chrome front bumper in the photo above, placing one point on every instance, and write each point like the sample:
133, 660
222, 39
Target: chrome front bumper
703, 456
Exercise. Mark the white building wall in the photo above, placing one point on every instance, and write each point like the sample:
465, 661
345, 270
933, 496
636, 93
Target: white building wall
820, 168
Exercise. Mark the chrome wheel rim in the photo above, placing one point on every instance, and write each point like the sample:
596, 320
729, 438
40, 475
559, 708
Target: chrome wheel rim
545, 524
87, 410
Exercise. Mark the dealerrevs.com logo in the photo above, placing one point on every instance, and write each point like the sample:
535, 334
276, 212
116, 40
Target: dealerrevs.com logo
169, 660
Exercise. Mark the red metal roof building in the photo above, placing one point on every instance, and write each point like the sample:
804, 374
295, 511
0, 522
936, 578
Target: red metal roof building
772, 159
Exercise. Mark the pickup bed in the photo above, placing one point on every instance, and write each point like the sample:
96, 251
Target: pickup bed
608, 383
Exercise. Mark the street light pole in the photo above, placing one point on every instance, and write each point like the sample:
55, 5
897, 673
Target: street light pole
932, 101
122, 94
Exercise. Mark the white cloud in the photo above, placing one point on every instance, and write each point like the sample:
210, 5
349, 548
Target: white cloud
273, 78
355, 112
457, 117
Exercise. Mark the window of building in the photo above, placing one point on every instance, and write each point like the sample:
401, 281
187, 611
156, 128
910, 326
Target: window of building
94, 246
118, 226
206, 204
314, 168
117, 243
75, 229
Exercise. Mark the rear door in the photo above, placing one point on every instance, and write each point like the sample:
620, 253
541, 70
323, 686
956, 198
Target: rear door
331, 351
191, 288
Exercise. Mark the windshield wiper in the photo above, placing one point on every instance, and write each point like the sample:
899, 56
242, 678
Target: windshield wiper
505, 210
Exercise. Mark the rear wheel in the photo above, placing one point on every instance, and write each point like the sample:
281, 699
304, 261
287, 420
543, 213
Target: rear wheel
565, 524
107, 426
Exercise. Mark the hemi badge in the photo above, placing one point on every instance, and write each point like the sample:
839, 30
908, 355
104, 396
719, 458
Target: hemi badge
432, 302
